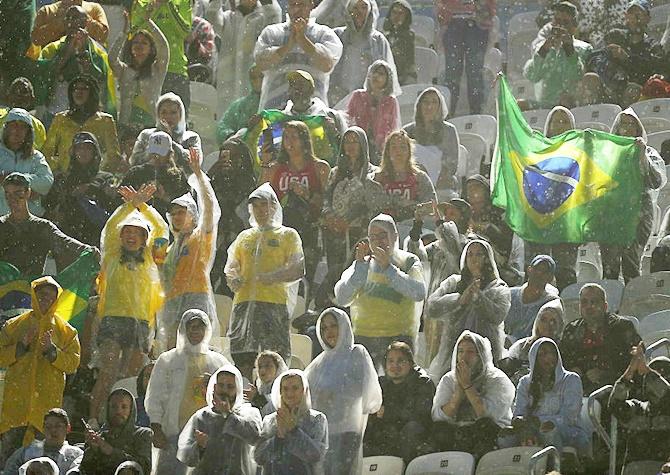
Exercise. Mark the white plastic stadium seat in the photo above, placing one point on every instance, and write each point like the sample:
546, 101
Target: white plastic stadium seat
463, 161
603, 113
442, 463
657, 138
655, 124
657, 23
655, 322
426, 64
522, 88
653, 108
590, 252
477, 151
521, 32
484, 125
424, 27
383, 465
594, 125
301, 350
202, 113
646, 294
613, 288
511, 461
536, 118
115, 20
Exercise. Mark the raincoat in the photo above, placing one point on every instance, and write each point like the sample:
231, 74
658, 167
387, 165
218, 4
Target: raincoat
521, 347
230, 436
34, 381
263, 400
67, 457
384, 303
40, 461
303, 449
402, 42
129, 465
561, 404
130, 443
495, 389
483, 315
521, 316
345, 388
34, 166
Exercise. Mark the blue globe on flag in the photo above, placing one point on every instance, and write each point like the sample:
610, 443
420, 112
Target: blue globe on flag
549, 183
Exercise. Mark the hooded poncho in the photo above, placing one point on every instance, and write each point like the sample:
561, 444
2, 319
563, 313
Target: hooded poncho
402, 42
265, 389
41, 461
521, 347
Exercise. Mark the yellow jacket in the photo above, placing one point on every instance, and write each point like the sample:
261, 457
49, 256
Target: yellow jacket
33, 384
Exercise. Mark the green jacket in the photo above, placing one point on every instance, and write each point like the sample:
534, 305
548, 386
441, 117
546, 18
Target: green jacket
237, 116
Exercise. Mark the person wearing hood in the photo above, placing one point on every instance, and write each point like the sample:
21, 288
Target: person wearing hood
119, 440
82, 116
398, 32
441, 258
477, 299
269, 366
218, 438
299, 43
38, 348
129, 468
294, 439
403, 425
436, 141
344, 386
239, 27
242, 109
172, 397
627, 260
262, 263
17, 154
21, 94
133, 245
362, 45
548, 403
385, 289
39, 466
473, 401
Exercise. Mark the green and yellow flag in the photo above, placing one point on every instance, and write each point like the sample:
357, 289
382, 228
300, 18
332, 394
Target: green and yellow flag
580, 186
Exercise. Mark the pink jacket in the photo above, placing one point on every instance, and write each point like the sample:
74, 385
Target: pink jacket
379, 122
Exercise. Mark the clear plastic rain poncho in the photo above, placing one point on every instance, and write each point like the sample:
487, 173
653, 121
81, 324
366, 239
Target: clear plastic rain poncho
345, 387
493, 386
265, 389
41, 465
302, 450
231, 435
186, 271
129, 464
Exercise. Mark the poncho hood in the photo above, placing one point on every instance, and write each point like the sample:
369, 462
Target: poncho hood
23, 469
345, 335
387, 223
556, 306
550, 116
392, 85
129, 464
181, 126
129, 425
267, 193
239, 386
631, 113
559, 370
489, 253
343, 160
443, 112
33, 296
306, 396
483, 346
183, 344
388, 25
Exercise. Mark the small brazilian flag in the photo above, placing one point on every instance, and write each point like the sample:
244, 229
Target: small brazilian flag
580, 186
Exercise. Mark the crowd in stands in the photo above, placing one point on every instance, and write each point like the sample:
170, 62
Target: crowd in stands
434, 326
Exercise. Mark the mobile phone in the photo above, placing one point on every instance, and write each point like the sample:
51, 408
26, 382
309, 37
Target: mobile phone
86, 425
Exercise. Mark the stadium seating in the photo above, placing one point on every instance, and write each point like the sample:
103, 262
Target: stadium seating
601, 113
481, 124
477, 151
442, 463
646, 294
521, 32
511, 461
383, 465
536, 118
426, 65
301, 351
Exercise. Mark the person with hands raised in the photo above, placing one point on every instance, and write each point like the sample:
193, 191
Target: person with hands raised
51, 21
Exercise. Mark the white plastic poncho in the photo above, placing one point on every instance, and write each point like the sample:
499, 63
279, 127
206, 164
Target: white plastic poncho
42, 463
493, 386
175, 376
345, 387
302, 450
131, 465
230, 436
265, 389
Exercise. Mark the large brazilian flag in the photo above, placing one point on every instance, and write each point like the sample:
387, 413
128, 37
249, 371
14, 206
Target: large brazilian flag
580, 186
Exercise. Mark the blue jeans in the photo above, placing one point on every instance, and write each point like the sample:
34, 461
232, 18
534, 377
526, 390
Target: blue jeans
464, 46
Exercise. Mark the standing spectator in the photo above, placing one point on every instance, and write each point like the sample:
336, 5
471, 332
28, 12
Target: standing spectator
38, 348
384, 287
238, 113
465, 26
16, 23
21, 95
139, 63
403, 425
477, 299
473, 400
201, 51
83, 115
644, 52
239, 27
362, 45
51, 22
345, 388
627, 260
612, 65
295, 44
398, 31
172, 396
436, 141
120, 440
262, 263
173, 17
17, 154
269, 366
596, 345
295, 438
218, 438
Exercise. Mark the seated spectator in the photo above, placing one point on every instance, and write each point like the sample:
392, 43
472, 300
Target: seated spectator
139, 62
627, 260
596, 345
295, 438
51, 22
218, 438
473, 400
17, 154
384, 287
200, 45
375, 108
129, 468
548, 403
612, 64
38, 348
237, 115
527, 299
171, 399
262, 263
590, 91
398, 31
54, 446
39, 466
269, 366
639, 400
362, 45
403, 425
295, 44
344, 386
82, 116
645, 53
21, 95
119, 440
558, 58
435, 142
476, 299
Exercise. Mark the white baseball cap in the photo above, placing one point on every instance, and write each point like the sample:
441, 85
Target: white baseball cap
160, 143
